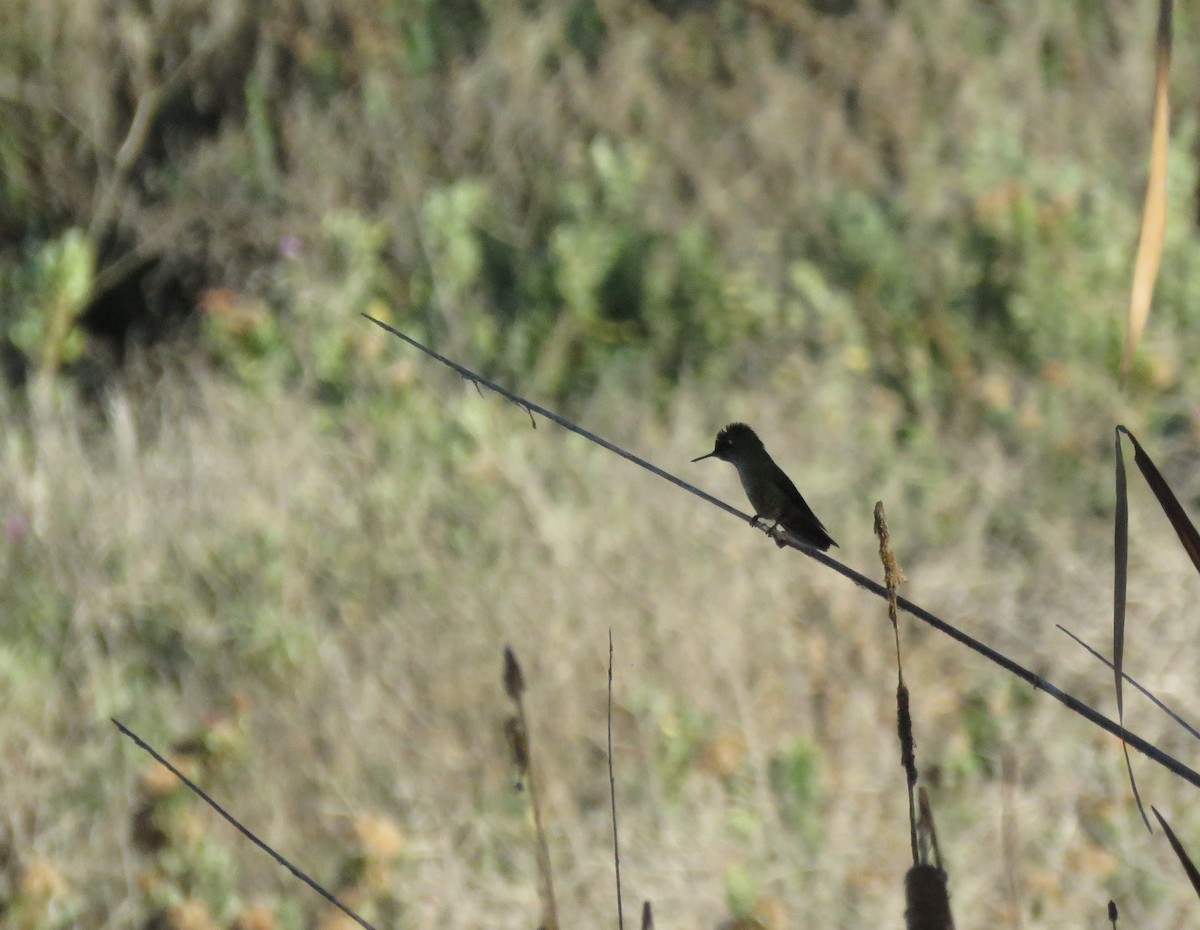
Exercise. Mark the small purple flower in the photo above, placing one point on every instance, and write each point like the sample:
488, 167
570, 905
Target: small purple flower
17, 527
290, 247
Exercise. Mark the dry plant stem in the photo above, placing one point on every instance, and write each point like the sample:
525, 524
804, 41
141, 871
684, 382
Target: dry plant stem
1010, 854
1185, 860
892, 576
197, 790
1154, 211
1070, 702
927, 830
1189, 538
135, 140
926, 890
113, 188
1120, 574
612, 789
515, 687
908, 757
1120, 584
550, 917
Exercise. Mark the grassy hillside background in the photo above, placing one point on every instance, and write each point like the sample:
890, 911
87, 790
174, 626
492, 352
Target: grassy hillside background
897, 238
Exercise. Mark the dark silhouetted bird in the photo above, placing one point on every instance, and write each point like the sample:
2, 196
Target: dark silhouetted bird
771, 492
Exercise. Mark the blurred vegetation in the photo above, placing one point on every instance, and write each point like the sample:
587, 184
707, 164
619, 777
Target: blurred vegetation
885, 225
943, 198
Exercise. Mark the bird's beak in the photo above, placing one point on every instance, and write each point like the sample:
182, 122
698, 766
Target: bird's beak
703, 457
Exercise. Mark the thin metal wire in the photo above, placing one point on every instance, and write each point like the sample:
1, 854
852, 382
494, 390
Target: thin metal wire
1072, 703
312, 883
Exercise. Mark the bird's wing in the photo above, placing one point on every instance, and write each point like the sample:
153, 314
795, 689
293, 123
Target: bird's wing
784, 483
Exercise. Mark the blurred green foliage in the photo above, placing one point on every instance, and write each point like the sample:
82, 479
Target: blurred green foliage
742, 889
560, 198
682, 733
795, 777
604, 286
42, 297
934, 203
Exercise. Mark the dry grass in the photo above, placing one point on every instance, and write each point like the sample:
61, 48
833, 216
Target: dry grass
308, 601
356, 584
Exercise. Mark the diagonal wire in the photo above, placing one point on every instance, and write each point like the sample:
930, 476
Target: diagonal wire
1069, 701
531, 408
1136, 684
312, 883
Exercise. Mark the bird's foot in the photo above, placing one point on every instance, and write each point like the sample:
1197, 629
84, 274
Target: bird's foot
772, 529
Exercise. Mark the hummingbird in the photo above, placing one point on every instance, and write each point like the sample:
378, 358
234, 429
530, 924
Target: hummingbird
771, 492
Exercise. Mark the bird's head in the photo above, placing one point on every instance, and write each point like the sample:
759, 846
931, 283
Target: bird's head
733, 442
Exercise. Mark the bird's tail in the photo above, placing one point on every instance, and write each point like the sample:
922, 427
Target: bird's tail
815, 537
